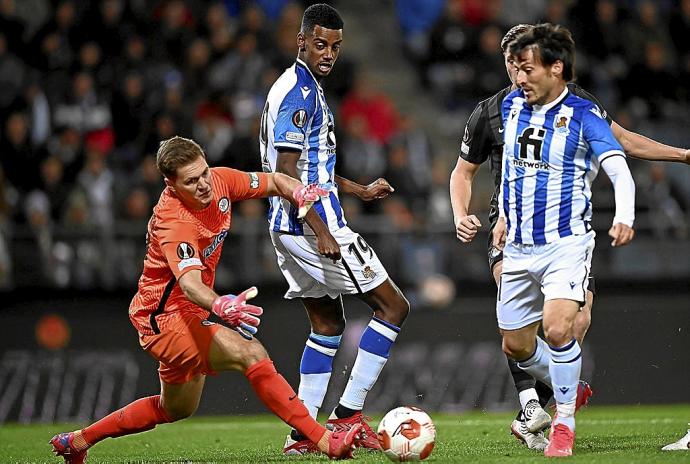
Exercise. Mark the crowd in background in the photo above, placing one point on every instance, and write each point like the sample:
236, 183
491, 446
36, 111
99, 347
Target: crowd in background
88, 89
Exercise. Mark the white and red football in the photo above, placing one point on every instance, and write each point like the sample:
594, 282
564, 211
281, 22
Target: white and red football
407, 434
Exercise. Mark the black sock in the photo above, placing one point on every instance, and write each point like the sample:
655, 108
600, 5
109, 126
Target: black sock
342, 412
523, 381
295, 435
544, 392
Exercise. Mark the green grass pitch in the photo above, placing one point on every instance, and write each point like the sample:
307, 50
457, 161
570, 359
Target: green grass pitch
628, 434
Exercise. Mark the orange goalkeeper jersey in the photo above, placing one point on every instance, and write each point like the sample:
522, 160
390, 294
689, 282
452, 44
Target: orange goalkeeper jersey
179, 240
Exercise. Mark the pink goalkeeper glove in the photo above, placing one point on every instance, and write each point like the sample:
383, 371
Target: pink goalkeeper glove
235, 311
306, 196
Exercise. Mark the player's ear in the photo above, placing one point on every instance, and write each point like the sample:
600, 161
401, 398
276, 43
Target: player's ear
168, 183
557, 68
301, 42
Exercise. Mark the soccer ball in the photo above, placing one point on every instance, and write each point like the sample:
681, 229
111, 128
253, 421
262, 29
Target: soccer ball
407, 434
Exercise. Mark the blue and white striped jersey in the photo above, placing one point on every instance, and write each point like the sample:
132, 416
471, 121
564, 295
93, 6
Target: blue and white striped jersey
297, 118
551, 155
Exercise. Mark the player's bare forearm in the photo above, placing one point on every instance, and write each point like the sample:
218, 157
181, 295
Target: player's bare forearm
641, 147
282, 185
196, 290
466, 226
461, 187
376, 190
348, 186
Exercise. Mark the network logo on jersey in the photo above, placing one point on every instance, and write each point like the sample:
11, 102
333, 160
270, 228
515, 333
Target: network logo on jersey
217, 240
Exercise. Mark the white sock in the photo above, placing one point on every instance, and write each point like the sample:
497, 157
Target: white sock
526, 396
374, 348
565, 366
312, 390
315, 370
537, 365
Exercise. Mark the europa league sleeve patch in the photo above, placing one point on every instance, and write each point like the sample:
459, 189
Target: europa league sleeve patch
299, 118
186, 253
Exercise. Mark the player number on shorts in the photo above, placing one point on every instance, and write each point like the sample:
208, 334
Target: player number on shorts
531, 136
359, 248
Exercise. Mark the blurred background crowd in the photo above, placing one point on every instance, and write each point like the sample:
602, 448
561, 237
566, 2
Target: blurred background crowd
88, 89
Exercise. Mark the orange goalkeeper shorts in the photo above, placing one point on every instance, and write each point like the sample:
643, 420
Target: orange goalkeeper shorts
182, 347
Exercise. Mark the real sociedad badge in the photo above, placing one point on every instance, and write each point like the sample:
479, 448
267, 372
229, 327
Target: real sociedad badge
561, 123
223, 204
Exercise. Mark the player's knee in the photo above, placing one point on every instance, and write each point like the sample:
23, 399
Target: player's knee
180, 411
254, 353
514, 349
395, 311
329, 327
558, 334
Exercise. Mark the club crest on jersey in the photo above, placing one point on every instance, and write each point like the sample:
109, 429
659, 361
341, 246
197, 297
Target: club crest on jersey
561, 124
299, 118
223, 205
368, 273
253, 180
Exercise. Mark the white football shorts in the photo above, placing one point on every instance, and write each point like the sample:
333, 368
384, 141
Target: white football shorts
556, 270
311, 275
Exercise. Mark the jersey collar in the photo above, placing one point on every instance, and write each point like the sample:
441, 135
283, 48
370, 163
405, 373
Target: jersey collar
548, 106
304, 65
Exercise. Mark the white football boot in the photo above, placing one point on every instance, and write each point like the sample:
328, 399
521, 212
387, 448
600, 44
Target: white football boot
682, 444
536, 419
536, 441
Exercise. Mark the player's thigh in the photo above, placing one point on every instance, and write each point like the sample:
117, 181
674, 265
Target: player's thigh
564, 268
497, 269
519, 295
182, 400
359, 270
388, 302
302, 267
182, 346
229, 351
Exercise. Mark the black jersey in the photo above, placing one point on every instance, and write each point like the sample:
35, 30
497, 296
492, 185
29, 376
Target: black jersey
483, 136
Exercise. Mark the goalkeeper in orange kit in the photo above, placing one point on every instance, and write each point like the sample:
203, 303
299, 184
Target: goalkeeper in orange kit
175, 294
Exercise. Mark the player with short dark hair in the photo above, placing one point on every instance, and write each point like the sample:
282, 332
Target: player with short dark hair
170, 309
298, 139
555, 142
482, 141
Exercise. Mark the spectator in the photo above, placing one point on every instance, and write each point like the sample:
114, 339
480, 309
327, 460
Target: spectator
12, 75
364, 158
19, 160
374, 106
82, 109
